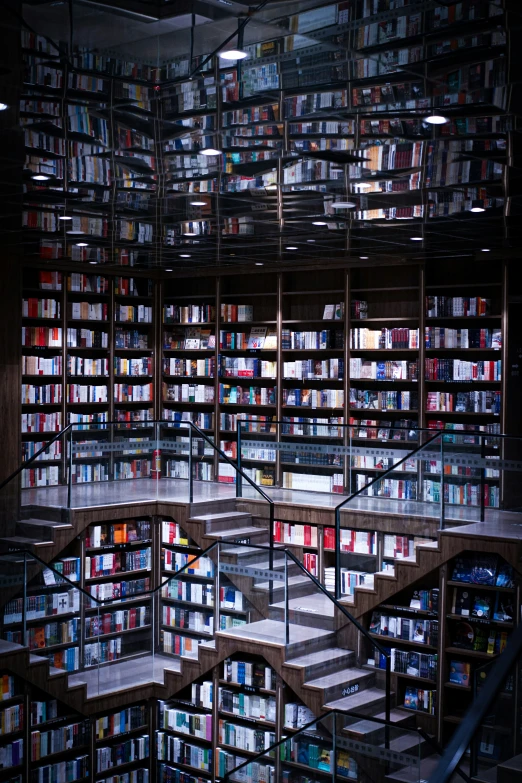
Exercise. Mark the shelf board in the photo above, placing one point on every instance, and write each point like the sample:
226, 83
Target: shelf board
473, 653
454, 686
394, 640
250, 688
117, 575
262, 721
112, 634
472, 585
175, 324
176, 629
420, 612
480, 620
143, 729
417, 679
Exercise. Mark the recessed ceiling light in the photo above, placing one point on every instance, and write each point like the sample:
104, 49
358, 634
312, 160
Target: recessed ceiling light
210, 151
291, 247
436, 119
189, 234
477, 209
65, 217
75, 233
3, 106
319, 223
259, 263
343, 205
416, 239
40, 177
486, 250
364, 258
198, 203
233, 54
81, 244
184, 255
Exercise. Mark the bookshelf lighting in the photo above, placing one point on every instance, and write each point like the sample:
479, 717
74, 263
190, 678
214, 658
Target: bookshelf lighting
198, 203
40, 177
364, 258
416, 239
477, 208
184, 255
64, 217
259, 263
210, 151
291, 247
3, 106
233, 54
436, 119
344, 205
81, 244
319, 223
486, 250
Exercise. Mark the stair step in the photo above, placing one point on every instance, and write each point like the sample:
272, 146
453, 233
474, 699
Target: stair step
366, 699
424, 772
238, 532
487, 776
335, 683
322, 662
364, 727
293, 581
271, 632
23, 542
46, 523
221, 515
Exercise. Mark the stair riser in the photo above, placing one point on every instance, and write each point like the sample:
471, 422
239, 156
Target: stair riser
373, 706
312, 645
43, 532
321, 669
44, 512
308, 619
278, 593
259, 538
213, 525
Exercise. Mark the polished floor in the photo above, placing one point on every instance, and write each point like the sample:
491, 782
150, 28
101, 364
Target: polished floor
177, 491
126, 674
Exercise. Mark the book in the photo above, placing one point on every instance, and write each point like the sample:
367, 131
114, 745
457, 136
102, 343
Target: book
257, 337
459, 673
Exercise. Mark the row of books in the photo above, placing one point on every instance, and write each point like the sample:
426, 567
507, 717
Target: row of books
413, 630
11, 754
80, 365
461, 370
312, 369
102, 652
190, 367
189, 339
247, 705
397, 489
117, 533
115, 622
90, 393
132, 392
323, 340
259, 338
41, 422
409, 662
52, 452
43, 743
40, 308
188, 392
252, 673
190, 592
42, 336
464, 402
40, 477
87, 338
241, 367
40, 606
181, 721
391, 370
41, 365
119, 722
444, 337
133, 314
457, 306
42, 394
246, 395
245, 738
468, 494
385, 400
122, 753
379, 339
178, 751
11, 719
117, 591
314, 398
117, 562
197, 622
130, 338
314, 483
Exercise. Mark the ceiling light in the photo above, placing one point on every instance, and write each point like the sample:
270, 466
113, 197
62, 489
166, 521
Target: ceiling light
65, 217
184, 255
198, 203
416, 239
259, 263
3, 106
210, 151
189, 234
75, 232
343, 205
291, 247
168, 270
364, 258
40, 177
486, 250
233, 54
477, 209
81, 244
436, 119
310, 240
93, 262
319, 223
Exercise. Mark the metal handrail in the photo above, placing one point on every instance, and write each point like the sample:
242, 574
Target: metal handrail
24, 465
382, 650
338, 508
474, 717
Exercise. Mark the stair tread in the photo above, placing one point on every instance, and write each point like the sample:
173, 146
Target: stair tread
318, 657
272, 632
27, 541
297, 579
359, 699
364, 727
238, 531
342, 676
428, 765
45, 523
221, 515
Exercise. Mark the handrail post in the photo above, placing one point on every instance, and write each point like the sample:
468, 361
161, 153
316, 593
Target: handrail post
70, 463
191, 485
387, 707
239, 478
482, 480
287, 618
24, 608
442, 503
337, 554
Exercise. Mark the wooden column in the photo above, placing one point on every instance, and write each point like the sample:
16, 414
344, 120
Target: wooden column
11, 254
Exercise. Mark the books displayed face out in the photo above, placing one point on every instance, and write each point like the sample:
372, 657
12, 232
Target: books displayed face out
483, 569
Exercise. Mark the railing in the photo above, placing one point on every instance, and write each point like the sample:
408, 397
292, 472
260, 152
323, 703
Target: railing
495, 711
331, 745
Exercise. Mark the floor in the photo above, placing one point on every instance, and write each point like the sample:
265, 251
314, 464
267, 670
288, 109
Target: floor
176, 491
273, 632
125, 674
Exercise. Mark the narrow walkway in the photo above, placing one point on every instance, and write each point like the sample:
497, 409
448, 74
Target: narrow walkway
176, 491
